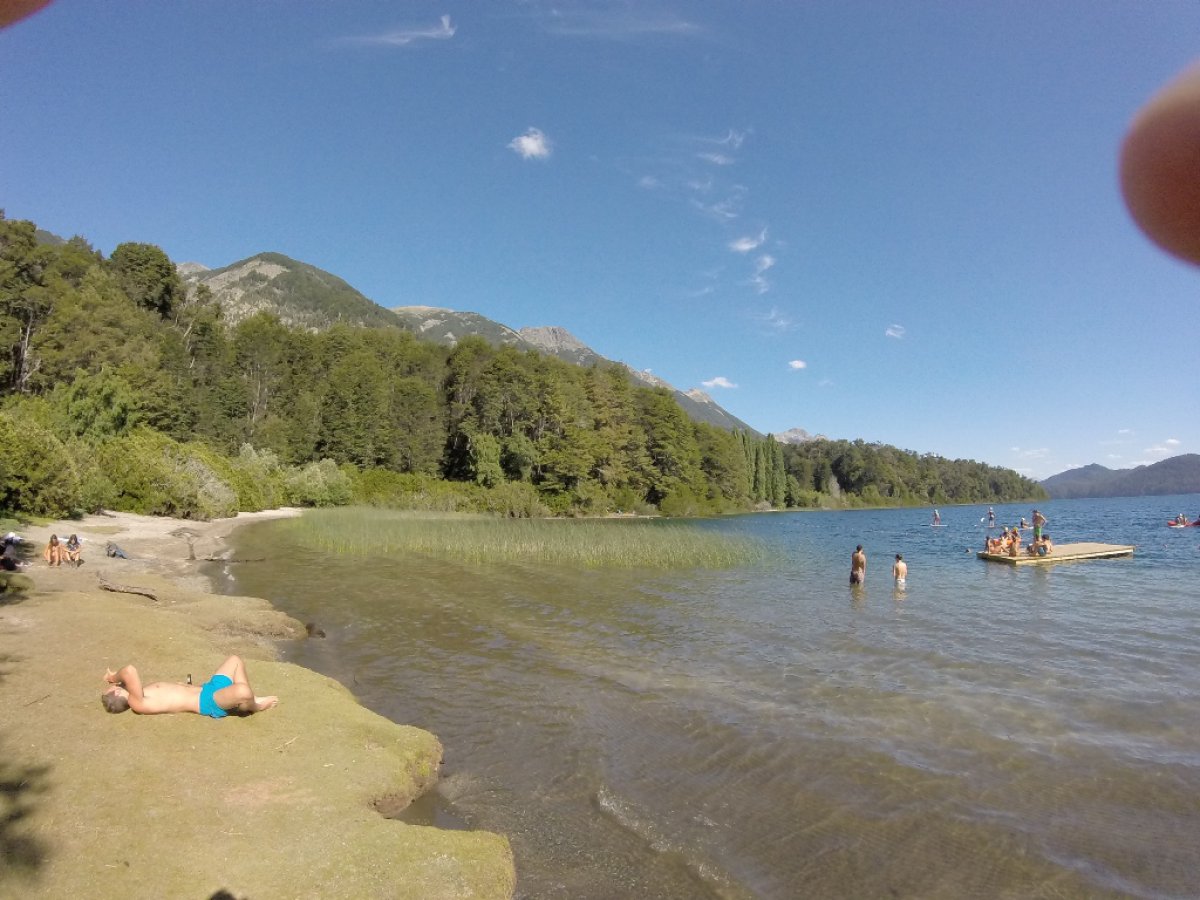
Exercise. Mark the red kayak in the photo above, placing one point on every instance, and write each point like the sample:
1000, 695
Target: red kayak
1171, 523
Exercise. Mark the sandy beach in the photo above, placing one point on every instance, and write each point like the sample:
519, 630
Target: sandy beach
290, 802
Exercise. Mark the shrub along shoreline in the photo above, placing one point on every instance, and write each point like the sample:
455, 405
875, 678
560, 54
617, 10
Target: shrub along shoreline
283, 803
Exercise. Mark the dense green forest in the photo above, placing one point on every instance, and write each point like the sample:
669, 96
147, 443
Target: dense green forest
123, 390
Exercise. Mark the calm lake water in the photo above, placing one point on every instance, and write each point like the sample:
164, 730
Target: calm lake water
768, 732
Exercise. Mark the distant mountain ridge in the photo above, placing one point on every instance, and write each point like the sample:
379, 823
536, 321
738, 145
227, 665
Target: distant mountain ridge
1177, 475
303, 296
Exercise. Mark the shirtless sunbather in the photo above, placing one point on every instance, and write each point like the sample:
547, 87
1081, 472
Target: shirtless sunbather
226, 692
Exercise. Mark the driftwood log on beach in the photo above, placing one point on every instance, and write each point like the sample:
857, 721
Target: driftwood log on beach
107, 585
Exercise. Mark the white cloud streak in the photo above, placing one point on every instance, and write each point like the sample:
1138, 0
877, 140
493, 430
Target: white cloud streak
619, 25
533, 144
775, 320
797, 364
748, 243
761, 266
894, 331
719, 382
404, 37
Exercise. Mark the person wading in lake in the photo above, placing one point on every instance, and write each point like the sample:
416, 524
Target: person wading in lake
900, 571
858, 566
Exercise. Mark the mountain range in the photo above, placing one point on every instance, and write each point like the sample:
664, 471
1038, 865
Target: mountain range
303, 296
1177, 475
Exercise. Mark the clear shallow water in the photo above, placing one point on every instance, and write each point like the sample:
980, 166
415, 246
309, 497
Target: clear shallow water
768, 732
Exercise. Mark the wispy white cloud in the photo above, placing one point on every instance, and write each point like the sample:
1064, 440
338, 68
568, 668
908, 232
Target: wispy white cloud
719, 382
533, 144
825, 382
726, 209
1035, 453
761, 267
1159, 450
404, 37
618, 25
775, 320
649, 183
717, 159
733, 139
1172, 442
894, 331
748, 243
797, 364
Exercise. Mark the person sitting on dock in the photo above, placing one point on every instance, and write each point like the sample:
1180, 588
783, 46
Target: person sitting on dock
226, 692
1041, 546
1014, 542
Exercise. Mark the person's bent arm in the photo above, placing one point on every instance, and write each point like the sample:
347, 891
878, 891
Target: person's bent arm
128, 678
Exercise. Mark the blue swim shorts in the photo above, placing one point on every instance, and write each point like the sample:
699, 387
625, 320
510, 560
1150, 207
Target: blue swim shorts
208, 706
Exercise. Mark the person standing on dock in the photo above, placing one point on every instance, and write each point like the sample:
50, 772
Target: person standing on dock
858, 566
1038, 521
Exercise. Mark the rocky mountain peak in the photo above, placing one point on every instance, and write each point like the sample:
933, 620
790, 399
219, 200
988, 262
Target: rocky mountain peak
795, 436
552, 339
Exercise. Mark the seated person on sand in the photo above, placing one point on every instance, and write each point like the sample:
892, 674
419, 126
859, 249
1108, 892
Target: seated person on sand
227, 692
53, 554
74, 550
10, 560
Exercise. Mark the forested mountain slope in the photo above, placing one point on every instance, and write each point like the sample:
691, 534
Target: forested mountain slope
301, 295
304, 296
122, 389
1177, 475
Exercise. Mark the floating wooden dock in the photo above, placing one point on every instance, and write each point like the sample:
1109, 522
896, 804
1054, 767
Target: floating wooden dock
1061, 553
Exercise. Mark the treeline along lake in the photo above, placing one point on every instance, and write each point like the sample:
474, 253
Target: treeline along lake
766, 731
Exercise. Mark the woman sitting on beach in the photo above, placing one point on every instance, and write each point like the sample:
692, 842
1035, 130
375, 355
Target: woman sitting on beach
74, 550
53, 554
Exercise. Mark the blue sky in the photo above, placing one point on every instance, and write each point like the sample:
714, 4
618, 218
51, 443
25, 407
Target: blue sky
889, 220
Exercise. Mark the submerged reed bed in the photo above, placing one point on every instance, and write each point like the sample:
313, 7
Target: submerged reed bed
592, 543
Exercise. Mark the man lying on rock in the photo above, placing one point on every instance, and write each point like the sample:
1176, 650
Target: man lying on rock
227, 692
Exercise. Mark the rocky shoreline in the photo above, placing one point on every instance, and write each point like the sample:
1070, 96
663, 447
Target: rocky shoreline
286, 803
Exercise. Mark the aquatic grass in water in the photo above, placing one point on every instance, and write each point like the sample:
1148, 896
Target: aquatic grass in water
594, 543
